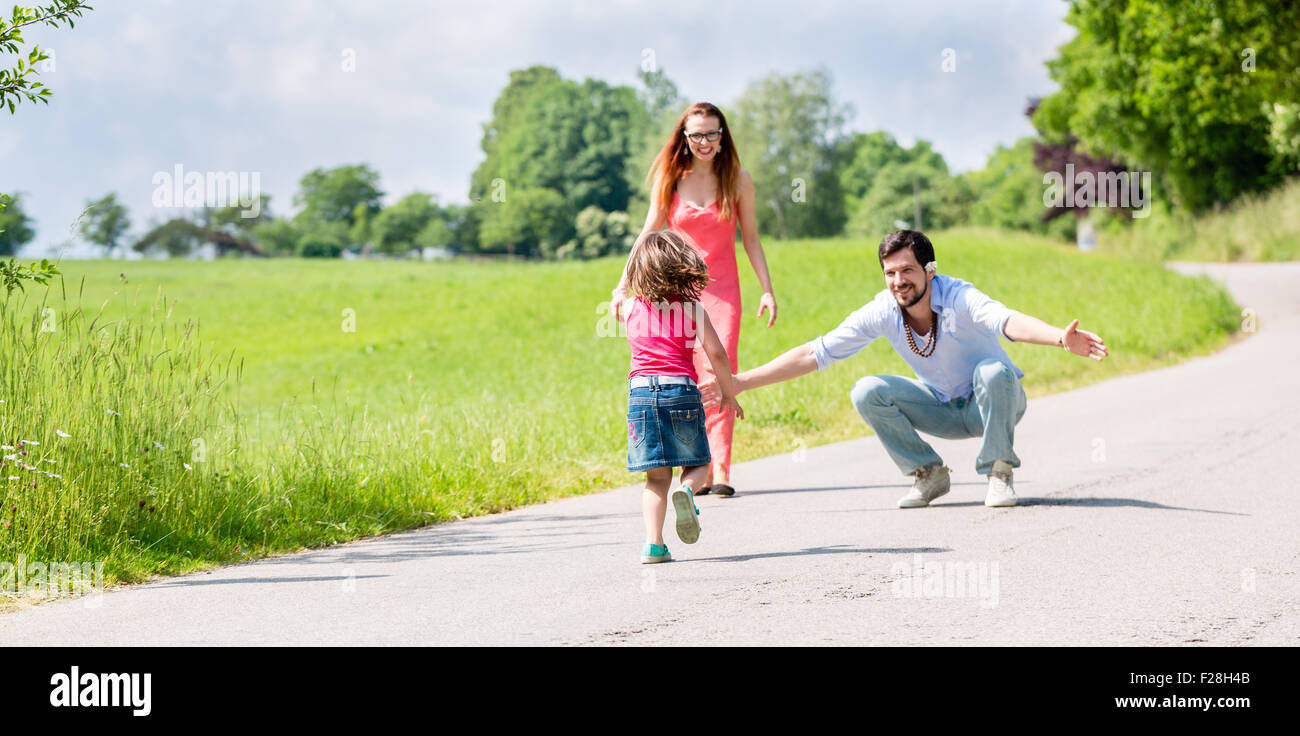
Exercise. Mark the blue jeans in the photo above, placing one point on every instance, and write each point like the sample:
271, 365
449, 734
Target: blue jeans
896, 407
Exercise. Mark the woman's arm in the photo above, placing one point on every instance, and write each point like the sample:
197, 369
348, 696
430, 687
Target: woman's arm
754, 248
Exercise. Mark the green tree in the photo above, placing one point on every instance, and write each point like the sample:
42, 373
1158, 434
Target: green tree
396, 228
787, 129
277, 237
15, 227
333, 196
105, 222
573, 138
177, 238
1008, 193
896, 192
599, 233
531, 222
238, 221
1179, 87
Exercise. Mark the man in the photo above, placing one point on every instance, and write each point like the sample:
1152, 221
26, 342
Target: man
947, 331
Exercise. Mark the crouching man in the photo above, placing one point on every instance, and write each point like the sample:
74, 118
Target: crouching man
947, 331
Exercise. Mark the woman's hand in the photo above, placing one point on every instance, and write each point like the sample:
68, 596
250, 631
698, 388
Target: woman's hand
617, 297
767, 302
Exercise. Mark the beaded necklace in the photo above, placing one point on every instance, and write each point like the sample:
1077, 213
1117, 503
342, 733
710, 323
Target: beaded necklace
930, 343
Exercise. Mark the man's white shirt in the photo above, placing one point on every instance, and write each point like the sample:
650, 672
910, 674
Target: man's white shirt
970, 324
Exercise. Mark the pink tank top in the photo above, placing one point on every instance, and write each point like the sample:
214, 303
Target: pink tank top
662, 338
716, 239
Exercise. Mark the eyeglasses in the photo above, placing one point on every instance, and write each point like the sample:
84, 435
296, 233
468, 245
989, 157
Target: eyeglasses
711, 136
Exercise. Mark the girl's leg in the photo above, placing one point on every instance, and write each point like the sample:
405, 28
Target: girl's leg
722, 302
695, 476
654, 503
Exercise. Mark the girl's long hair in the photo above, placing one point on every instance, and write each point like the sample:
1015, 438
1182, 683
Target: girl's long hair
663, 266
675, 158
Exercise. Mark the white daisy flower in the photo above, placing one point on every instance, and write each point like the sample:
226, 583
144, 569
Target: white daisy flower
61, 433
30, 442
160, 447
124, 465
187, 466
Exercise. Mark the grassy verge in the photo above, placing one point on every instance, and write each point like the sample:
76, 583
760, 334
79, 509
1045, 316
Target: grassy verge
204, 413
1256, 228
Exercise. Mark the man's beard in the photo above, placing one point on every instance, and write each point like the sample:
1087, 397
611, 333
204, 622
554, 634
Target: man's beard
920, 295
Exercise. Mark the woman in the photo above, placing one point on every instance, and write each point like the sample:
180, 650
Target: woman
699, 190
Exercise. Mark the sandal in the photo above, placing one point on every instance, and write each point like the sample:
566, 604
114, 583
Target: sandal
722, 489
704, 491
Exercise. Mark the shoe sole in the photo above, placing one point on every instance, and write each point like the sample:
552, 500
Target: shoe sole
1005, 503
653, 560
688, 524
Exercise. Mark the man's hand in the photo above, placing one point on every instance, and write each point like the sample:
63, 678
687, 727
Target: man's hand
709, 392
1084, 343
711, 395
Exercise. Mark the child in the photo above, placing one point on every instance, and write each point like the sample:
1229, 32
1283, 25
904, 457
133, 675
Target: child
665, 417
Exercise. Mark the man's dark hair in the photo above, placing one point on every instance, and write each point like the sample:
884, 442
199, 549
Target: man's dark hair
900, 239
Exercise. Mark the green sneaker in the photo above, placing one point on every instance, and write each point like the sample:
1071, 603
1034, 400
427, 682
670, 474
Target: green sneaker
688, 514
652, 553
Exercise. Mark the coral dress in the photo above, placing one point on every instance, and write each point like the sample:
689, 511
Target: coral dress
716, 239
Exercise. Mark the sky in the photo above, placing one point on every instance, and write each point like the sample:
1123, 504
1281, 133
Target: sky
263, 86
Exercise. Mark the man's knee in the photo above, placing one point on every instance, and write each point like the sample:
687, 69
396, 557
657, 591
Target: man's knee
869, 391
993, 373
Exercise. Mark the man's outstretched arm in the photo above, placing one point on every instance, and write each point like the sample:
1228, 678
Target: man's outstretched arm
1024, 328
797, 361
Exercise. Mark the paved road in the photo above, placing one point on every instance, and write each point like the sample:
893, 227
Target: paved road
1158, 508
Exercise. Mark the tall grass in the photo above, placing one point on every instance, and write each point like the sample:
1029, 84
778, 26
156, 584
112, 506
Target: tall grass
1263, 227
465, 388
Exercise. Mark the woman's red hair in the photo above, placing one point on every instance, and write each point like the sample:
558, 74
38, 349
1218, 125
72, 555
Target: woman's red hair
675, 158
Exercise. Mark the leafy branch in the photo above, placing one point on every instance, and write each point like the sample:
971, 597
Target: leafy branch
14, 82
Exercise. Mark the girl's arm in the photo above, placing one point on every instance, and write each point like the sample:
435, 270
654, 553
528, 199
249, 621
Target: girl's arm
718, 359
754, 248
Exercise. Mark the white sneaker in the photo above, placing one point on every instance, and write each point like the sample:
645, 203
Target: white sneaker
1000, 491
930, 483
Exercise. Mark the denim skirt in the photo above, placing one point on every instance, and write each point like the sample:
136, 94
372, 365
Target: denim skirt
665, 428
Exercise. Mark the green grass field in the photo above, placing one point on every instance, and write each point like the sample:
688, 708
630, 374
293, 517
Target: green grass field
461, 389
